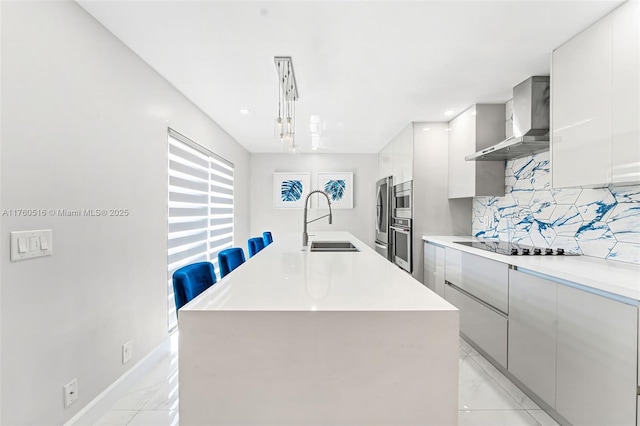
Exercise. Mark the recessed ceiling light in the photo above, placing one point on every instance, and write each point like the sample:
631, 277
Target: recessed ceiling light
245, 111
448, 112
426, 129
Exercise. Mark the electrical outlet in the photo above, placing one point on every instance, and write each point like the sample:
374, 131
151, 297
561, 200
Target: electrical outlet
127, 351
70, 392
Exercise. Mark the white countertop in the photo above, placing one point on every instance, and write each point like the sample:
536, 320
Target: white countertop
283, 277
618, 278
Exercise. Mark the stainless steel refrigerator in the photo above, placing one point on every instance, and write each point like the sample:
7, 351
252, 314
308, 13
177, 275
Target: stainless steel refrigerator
384, 191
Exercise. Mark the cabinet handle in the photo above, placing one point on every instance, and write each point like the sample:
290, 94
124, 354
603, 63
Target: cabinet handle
480, 301
488, 149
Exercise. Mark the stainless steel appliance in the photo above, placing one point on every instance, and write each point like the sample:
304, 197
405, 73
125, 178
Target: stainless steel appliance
402, 200
401, 243
515, 249
401, 233
530, 123
383, 216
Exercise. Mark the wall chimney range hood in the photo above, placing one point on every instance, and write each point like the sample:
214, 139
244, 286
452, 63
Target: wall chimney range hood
530, 123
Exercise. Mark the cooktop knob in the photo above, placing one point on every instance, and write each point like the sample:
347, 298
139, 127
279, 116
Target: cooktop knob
514, 251
560, 251
525, 251
548, 251
537, 251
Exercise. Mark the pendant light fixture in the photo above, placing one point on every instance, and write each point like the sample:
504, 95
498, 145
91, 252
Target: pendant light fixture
287, 97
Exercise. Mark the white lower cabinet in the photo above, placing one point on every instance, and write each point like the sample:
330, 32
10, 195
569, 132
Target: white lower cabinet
484, 326
596, 359
486, 279
576, 349
434, 268
453, 266
532, 333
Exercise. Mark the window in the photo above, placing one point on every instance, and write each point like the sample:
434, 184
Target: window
200, 209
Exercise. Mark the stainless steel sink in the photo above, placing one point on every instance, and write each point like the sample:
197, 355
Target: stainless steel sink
332, 246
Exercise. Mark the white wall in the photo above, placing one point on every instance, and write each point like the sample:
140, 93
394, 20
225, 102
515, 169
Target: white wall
84, 125
360, 220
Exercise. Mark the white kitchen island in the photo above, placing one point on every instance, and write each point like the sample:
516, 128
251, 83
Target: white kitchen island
294, 337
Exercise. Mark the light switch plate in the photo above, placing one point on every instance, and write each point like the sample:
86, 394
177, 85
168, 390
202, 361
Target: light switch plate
38, 243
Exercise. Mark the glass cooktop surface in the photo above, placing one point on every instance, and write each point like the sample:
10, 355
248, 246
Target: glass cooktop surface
515, 249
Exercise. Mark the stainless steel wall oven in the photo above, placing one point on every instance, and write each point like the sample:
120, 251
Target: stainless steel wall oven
401, 233
401, 246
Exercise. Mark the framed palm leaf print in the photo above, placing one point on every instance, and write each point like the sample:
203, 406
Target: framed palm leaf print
339, 187
290, 189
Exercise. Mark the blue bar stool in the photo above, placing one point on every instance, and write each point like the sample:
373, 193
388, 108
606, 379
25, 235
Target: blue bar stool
255, 245
267, 237
230, 259
191, 280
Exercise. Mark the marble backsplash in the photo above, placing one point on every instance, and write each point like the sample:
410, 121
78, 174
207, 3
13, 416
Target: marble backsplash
603, 222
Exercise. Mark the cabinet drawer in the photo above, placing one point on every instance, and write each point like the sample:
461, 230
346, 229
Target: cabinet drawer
453, 266
486, 327
486, 279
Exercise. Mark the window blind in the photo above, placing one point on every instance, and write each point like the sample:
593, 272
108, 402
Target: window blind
200, 209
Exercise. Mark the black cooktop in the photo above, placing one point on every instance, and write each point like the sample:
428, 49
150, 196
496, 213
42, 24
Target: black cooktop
515, 249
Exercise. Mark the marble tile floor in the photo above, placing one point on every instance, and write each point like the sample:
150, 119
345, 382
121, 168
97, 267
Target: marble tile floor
486, 396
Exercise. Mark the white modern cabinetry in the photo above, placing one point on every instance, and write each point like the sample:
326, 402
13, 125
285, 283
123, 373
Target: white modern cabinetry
419, 154
596, 359
574, 349
385, 162
482, 325
532, 333
626, 94
478, 287
434, 260
453, 265
581, 99
486, 279
596, 103
396, 158
475, 129
403, 156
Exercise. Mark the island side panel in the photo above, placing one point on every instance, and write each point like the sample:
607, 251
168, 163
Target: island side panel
319, 368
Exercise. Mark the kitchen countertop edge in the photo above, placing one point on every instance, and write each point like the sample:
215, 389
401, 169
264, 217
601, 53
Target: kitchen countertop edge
610, 276
283, 277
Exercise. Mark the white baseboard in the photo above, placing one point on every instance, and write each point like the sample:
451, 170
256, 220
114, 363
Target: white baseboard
95, 409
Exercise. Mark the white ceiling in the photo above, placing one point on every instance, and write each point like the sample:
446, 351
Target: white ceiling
364, 69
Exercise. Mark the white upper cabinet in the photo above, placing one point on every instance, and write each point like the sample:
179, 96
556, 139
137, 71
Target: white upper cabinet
385, 159
626, 94
581, 99
396, 158
403, 156
595, 104
475, 129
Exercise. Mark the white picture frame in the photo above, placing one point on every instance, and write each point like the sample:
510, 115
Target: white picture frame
339, 187
290, 189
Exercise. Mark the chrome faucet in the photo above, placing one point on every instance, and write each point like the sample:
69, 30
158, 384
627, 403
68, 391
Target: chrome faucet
305, 236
